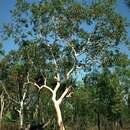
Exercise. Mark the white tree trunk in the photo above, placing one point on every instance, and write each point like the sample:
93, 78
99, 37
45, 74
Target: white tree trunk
54, 95
1, 106
59, 116
21, 119
21, 114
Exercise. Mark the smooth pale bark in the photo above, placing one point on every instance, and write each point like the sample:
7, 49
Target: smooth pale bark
59, 116
21, 117
56, 101
1, 107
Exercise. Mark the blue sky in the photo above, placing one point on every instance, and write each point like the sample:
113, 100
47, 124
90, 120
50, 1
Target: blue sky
7, 5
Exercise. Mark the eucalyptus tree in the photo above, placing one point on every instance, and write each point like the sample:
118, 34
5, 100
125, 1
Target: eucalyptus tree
61, 32
2, 106
2, 94
13, 82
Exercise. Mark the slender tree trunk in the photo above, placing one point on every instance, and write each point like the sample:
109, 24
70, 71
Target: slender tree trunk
21, 115
98, 121
1, 108
59, 116
21, 119
39, 109
121, 123
128, 102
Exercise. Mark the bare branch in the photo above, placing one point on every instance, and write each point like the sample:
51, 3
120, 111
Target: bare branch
8, 93
69, 94
46, 124
39, 87
45, 86
2, 104
18, 111
24, 95
58, 83
74, 62
63, 95
27, 77
45, 80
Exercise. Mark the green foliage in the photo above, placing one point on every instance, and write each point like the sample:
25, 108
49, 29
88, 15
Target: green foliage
53, 37
127, 2
8, 117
